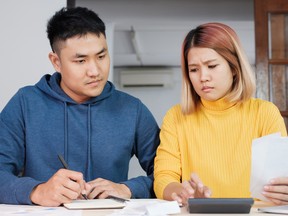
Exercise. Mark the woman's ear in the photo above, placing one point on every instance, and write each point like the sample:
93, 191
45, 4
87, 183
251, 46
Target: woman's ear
55, 60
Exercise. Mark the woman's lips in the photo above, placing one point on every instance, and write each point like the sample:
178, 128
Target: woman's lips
207, 89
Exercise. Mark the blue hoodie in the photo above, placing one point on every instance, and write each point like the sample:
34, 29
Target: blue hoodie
97, 138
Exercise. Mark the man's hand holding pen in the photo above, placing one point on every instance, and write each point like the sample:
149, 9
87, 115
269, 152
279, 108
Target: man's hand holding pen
63, 187
67, 185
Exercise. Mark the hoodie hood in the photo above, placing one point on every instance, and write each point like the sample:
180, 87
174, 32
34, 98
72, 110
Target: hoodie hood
50, 84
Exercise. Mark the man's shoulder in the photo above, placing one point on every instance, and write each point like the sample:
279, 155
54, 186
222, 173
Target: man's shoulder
121, 95
27, 90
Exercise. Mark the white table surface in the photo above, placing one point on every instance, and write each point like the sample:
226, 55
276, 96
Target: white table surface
19, 210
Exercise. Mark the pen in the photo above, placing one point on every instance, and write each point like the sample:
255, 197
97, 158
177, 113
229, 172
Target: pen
117, 198
65, 165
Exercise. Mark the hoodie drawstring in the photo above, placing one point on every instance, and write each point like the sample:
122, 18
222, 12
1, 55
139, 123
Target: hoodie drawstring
88, 171
65, 132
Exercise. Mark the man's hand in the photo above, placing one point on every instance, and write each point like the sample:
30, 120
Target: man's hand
277, 191
102, 188
63, 187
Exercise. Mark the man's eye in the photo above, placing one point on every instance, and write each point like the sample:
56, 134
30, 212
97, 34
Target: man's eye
80, 61
101, 57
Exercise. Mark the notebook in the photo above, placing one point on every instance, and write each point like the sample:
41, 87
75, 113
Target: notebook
95, 204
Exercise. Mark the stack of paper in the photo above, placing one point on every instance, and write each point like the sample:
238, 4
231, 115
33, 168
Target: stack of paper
275, 209
269, 160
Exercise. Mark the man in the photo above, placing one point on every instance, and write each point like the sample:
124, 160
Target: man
80, 115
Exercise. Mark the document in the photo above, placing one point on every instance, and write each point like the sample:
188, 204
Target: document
32, 210
269, 160
144, 207
275, 209
95, 204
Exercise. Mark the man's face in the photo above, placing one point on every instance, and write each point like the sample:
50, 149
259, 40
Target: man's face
84, 64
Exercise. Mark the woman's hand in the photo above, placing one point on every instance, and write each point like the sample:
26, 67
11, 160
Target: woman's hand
277, 191
193, 188
200, 190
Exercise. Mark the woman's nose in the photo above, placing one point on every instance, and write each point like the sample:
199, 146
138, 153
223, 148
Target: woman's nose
205, 76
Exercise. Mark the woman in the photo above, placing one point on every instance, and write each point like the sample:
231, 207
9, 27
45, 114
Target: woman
205, 148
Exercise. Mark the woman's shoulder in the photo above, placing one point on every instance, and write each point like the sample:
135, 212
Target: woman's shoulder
175, 113
175, 109
260, 102
262, 105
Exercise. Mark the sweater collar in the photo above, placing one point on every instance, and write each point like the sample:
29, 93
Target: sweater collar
218, 105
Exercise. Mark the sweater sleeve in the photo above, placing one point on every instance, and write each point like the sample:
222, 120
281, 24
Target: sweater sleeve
271, 119
14, 189
168, 159
146, 143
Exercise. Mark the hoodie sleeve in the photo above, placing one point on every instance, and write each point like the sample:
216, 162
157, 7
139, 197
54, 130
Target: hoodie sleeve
14, 189
146, 143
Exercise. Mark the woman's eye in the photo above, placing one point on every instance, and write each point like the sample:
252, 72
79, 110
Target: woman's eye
192, 70
212, 66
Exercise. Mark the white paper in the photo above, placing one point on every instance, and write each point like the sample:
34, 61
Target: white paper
151, 207
9, 210
95, 204
275, 209
135, 207
164, 208
269, 160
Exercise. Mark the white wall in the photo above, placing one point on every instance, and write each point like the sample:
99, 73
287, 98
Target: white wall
25, 47
24, 44
171, 16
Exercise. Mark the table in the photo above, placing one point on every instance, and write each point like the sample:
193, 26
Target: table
8, 210
184, 211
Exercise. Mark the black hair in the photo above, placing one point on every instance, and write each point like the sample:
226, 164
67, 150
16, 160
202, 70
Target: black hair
69, 22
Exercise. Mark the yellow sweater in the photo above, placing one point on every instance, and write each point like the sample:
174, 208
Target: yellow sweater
215, 142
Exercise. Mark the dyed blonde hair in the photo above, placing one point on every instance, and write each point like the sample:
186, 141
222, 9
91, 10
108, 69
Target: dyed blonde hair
226, 43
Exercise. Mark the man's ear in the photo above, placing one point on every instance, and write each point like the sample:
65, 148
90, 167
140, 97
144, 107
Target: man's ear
55, 60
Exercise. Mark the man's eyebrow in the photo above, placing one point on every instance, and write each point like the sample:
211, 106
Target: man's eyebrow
79, 55
102, 51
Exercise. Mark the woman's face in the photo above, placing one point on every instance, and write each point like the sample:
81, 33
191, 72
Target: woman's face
209, 73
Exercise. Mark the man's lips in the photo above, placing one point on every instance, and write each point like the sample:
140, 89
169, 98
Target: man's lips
93, 82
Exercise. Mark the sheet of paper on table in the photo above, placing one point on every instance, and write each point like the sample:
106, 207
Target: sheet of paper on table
95, 204
275, 209
32, 210
144, 207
